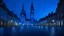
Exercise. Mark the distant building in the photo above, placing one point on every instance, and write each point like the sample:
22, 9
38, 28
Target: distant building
24, 19
28, 21
57, 17
12, 18
51, 18
23, 15
32, 14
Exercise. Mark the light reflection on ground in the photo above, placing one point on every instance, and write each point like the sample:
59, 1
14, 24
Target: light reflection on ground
42, 30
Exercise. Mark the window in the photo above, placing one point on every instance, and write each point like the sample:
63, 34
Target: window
61, 23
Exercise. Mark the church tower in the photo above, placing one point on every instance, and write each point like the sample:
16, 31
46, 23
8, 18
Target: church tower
32, 14
23, 15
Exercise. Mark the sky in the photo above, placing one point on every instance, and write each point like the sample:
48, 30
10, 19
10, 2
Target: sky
41, 7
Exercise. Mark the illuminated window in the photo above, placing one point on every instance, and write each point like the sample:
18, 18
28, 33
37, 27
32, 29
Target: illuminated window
61, 23
19, 23
16, 24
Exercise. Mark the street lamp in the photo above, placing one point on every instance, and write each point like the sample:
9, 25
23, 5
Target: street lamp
11, 20
53, 20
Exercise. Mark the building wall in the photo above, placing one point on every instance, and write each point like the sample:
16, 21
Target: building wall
3, 17
60, 12
3, 14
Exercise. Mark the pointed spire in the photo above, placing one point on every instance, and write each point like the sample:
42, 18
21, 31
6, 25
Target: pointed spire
23, 11
32, 4
32, 7
22, 7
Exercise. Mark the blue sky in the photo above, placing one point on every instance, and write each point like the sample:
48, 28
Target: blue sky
41, 7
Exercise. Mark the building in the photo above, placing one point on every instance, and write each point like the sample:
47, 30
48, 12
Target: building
23, 15
60, 12
27, 21
48, 20
6, 16
24, 19
32, 14
12, 19
57, 18
3, 13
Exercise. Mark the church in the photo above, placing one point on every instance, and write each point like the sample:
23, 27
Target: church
24, 19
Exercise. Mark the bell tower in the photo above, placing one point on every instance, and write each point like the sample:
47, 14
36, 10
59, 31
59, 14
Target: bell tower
32, 14
23, 15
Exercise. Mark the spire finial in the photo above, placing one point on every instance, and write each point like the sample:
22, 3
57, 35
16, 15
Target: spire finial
32, 7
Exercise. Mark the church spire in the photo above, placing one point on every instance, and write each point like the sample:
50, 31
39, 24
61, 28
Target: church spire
23, 11
32, 13
22, 7
32, 7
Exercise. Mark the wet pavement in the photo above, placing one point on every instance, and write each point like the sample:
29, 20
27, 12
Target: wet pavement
32, 31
